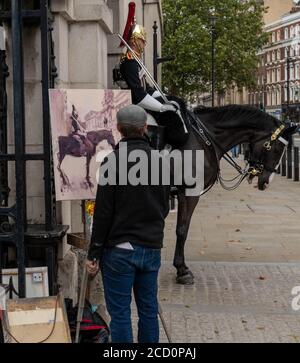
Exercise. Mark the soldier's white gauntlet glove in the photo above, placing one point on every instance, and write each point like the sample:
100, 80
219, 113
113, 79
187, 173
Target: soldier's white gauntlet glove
168, 107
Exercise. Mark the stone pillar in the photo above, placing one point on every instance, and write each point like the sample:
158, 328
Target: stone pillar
81, 30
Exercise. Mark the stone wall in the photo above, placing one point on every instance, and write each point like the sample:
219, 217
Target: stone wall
86, 50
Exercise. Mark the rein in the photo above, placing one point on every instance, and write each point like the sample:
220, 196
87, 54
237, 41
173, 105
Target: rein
210, 141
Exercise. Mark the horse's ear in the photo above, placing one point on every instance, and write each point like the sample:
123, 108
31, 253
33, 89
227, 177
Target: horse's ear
290, 129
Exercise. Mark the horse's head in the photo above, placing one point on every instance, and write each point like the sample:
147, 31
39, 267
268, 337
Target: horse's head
266, 155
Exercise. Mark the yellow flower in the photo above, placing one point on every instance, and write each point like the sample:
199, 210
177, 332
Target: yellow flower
90, 208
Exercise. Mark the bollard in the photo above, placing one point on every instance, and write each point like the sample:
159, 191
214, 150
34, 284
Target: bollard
296, 163
172, 203
283, 165
289, 163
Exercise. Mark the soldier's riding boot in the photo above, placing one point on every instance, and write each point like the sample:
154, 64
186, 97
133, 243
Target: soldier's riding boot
156, 136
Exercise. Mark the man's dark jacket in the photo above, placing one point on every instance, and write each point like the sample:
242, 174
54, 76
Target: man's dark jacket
127, 213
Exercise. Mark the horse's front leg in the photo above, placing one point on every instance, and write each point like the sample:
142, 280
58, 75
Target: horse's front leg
88, 178
186, 207
64, 178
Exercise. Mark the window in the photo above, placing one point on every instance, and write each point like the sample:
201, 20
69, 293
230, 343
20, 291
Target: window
273, 37
292, 32
268, 57
285, 52
286, 33
278, 35
268, 98
278, 74
285, 73
285, 94
273, 55
273, 76
278, 97
278, 54
271, 97
292, 75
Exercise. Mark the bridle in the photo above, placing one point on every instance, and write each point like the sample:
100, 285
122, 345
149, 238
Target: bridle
253, 168
258, 166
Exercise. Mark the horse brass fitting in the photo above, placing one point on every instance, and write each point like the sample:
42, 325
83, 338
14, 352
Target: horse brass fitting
253, 171
277, 132
268, 146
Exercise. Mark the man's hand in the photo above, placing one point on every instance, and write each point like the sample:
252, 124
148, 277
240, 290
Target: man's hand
92, 267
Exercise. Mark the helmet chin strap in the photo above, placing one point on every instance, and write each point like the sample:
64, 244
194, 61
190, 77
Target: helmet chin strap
138, 48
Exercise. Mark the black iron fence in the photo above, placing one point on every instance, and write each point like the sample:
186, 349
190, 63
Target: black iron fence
15, 231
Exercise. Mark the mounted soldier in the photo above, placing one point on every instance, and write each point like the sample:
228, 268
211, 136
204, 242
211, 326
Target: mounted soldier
78, 129
131, 74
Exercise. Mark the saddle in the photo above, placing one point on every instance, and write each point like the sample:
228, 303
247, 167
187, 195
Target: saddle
80, 139
167, 130
174, 133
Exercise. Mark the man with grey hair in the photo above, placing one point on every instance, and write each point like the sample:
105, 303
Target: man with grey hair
127, 237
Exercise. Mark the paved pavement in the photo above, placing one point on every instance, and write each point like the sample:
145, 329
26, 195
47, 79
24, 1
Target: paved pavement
244, 250
231, 302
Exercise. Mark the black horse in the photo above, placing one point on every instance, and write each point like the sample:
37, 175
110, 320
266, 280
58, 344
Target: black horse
68, 145
228, 126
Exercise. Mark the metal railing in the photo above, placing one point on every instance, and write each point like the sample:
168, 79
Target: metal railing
290, 164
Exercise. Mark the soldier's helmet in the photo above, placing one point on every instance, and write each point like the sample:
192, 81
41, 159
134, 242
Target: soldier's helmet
133, 31
138, 32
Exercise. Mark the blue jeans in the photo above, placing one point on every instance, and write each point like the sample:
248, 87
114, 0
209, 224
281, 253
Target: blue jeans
124, 271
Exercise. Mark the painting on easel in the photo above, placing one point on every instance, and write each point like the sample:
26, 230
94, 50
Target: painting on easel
83, 123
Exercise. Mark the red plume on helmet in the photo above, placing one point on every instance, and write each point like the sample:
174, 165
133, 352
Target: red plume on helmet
129, 23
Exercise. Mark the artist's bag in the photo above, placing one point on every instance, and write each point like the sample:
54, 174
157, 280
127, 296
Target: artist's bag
93, 328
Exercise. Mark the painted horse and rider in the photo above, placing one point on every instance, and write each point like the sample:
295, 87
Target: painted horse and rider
78, 129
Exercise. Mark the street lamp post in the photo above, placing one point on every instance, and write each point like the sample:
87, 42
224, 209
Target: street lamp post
288, 64
287, 116
156, 59
265, 80
212, 19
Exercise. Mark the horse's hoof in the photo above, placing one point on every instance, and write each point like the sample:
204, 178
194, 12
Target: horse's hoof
187, 279
189, 272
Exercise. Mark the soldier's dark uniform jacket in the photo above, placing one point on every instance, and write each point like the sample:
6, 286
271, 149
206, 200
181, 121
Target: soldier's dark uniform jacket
134, 78
150, 99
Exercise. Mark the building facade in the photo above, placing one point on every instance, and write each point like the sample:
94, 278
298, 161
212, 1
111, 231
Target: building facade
278, 76
234, 95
